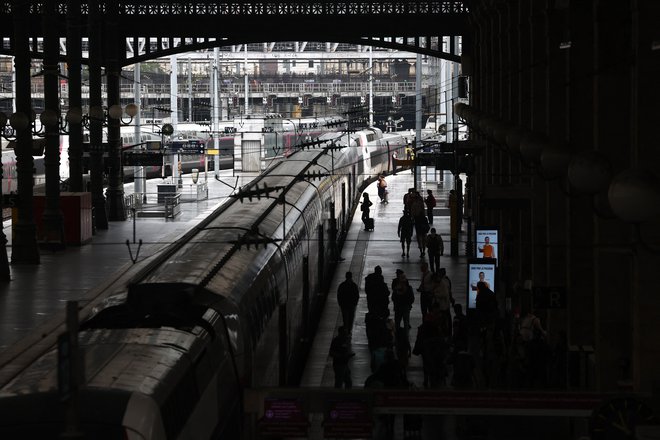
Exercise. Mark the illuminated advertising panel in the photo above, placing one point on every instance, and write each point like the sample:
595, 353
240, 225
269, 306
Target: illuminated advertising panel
487, 242
479, 270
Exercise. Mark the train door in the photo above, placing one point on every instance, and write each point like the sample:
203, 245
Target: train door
251, 155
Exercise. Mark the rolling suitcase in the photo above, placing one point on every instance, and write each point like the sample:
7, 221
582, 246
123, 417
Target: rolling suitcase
369, 224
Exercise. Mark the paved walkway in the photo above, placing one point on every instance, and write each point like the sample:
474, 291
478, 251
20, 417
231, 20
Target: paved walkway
362, 252
38, 293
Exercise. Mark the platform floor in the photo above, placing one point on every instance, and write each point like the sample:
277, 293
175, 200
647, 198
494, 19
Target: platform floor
37, 294
362, 252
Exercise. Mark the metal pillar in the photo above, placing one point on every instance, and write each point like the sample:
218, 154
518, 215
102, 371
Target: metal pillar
53, 221
97, 116
24, 243
73, 59
115, 50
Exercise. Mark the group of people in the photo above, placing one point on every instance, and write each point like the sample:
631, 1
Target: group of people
389, 338
420, 209
441, 339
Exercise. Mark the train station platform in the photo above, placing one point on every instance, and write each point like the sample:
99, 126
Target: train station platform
36, 296
362, 252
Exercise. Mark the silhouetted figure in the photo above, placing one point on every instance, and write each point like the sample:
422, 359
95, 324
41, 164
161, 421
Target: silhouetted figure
377, 293
435, 247
364, 207
442, 298
425, 288
348, 296
405, 232
402, 347
460, 334
382, 189
430, 203
402, 299
421, 228
535, 349
433, 347
340, 350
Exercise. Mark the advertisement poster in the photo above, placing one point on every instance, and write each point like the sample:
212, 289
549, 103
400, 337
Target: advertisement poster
487, 243
479, 270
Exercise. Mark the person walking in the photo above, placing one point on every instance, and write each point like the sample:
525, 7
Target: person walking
364, 206
535, 348
416, 205
402, 299
430, 204
425, 288
460, 335
442, 297
436, 248
407, 199
382, 189
377, 292
340, 351
421, 228
348, 296
405, 232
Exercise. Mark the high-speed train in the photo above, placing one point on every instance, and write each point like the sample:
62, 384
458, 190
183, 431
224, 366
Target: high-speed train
10, 176
232, 304
275, 144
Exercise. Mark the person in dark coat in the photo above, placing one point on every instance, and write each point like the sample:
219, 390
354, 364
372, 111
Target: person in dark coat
436, 248
421, 228
486, 305
348, 296
460, 333
364, 207
430, 203
405, 232
378, 294
402, 299
340, 351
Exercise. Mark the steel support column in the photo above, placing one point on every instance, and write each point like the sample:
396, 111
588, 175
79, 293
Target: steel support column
97, 116
74, 62
52, 233
114, 49
24, 243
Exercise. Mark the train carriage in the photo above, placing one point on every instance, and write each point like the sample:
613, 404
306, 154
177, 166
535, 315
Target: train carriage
232, 304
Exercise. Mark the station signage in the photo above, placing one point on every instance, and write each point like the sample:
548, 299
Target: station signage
188, 146
349, 418
142, 158
283, 417
549, 297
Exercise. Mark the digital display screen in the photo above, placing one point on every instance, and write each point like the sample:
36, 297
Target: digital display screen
487, 243
479, 270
